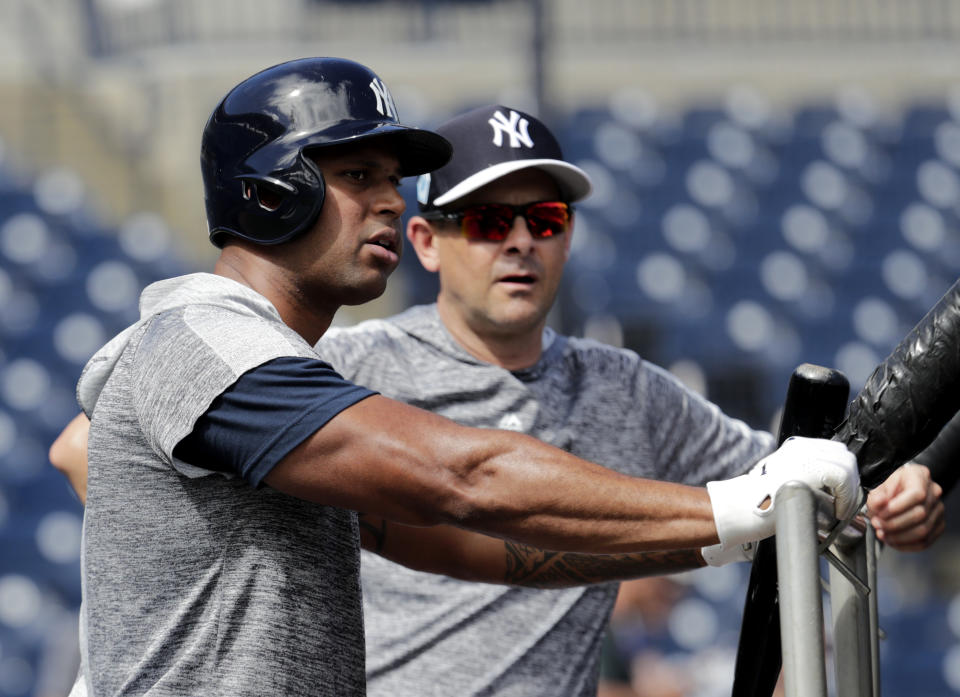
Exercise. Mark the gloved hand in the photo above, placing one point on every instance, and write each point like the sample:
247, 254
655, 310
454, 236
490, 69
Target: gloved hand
743, 507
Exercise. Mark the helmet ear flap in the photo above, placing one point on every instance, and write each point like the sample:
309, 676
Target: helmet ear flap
266, 192
268, 203
271, 193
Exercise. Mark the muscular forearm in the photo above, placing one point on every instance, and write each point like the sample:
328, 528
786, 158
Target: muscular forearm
531, 566
413, 467
545, 497
472, 556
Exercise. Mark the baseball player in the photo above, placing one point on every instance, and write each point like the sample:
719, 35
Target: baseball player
227, 459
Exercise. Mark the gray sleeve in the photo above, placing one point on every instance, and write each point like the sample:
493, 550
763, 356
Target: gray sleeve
694, 441
185, 360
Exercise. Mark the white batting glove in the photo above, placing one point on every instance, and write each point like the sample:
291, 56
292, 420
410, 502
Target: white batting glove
743, 507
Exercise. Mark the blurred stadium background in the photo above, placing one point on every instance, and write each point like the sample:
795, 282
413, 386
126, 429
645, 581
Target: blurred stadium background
776, 182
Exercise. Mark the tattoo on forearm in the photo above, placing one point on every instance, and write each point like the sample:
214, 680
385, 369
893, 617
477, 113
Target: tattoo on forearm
376, 530
531, 566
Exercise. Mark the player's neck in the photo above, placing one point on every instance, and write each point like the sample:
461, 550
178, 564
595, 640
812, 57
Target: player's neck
307, 320
510, 349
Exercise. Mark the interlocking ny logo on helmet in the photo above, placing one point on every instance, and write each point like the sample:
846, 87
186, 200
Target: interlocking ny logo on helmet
385, 103
259, 134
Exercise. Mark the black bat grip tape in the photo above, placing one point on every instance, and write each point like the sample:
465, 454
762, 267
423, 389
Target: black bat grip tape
908, 398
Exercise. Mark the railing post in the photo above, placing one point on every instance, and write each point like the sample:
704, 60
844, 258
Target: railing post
801, 605
853, 636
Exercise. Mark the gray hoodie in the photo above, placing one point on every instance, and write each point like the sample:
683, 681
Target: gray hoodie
195, 582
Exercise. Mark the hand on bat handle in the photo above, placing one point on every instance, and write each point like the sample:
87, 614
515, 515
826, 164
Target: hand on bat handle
906, 510
823, 465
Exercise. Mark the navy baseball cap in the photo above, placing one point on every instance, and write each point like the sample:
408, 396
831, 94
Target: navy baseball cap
491, 142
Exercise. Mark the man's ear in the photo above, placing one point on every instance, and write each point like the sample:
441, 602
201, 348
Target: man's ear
423, 240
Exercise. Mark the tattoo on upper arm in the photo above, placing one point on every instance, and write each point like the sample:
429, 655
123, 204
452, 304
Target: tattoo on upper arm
531, 566
373, 529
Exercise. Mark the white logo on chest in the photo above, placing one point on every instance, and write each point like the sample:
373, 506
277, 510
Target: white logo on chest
515, 128
510, 422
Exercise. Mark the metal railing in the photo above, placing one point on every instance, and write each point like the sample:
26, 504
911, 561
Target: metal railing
853, 600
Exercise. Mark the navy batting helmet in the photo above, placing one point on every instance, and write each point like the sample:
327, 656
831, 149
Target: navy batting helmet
259, 134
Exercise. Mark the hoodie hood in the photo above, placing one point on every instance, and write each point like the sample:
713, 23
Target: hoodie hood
160, 297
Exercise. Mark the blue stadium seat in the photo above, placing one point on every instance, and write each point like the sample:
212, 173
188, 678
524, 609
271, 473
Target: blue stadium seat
809, 120
698, 120
921, 118
14, 201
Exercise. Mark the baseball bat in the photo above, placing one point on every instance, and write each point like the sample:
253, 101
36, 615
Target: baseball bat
908, 398
815, 404
903, 406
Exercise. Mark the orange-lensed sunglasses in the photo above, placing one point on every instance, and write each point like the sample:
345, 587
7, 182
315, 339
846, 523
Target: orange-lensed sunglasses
493, 221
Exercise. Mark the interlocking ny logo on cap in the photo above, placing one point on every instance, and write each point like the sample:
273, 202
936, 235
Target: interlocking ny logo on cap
515, 128
385, 103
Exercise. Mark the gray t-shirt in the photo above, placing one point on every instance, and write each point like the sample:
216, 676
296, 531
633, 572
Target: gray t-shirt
433, 636
195, 582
